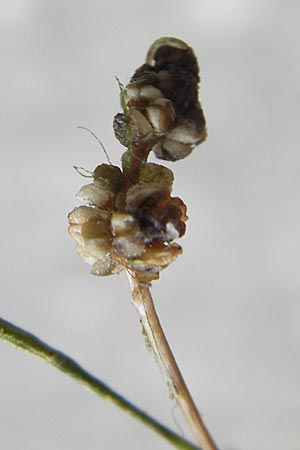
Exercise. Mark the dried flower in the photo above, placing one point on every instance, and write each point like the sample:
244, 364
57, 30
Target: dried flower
128, 218
162, 99
138, 239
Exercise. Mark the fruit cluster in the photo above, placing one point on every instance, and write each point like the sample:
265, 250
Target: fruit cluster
128, 218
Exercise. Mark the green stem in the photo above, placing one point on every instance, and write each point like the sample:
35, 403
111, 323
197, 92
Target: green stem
27, 342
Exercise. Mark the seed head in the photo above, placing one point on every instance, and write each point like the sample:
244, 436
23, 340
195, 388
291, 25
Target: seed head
128, 218
162, 99
140, 239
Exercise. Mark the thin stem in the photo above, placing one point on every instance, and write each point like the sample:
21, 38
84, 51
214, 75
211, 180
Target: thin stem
27, 342
132, 173
158, 344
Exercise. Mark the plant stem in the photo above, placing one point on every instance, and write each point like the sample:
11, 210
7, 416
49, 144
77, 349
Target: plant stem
158, 345
138, 155
27, 342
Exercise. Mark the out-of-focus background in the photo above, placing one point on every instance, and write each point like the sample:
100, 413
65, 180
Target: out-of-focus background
230, 305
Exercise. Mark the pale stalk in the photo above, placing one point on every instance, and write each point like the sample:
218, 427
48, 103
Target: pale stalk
158, 345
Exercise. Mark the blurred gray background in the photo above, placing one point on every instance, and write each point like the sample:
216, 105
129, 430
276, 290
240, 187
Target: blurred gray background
230, 304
